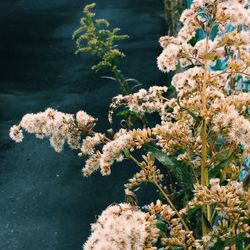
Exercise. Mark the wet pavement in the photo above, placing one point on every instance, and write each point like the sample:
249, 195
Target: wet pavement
45, 203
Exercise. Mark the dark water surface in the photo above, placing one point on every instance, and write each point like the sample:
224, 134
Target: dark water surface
45, 203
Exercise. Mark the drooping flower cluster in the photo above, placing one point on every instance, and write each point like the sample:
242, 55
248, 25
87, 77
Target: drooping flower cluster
60, 127
123, 227
114, 149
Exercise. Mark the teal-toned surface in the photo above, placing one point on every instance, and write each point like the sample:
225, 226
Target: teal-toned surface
45, 202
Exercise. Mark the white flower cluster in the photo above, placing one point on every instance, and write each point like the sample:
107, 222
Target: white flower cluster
90, 142
16, 133
172, 135
187, 81
92, 164
60, 127
174, 51
167, 60
190, 24
233, 12
201, 48
226, 196
179, 50
240, 100
113, 150
214, 184
207, 242
234, 38
122, 227
236, 127
141, 102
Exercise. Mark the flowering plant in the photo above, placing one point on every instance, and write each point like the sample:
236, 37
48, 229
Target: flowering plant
202, 139
95, 37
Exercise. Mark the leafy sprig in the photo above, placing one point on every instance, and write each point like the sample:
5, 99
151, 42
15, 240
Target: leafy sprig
94, 36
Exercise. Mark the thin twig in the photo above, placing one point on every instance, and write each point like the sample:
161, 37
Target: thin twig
164, 195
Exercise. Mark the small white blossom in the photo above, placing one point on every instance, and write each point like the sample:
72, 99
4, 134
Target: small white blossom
167, 61
90, 142
16, 133
215, 184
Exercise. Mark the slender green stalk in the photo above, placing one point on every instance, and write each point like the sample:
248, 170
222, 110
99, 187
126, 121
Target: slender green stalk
95, 37
247, 247
172, 206
166, 197
121, 80
204, 169
233, 247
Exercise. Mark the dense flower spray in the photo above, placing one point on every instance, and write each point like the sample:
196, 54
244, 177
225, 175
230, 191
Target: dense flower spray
123, 227
60, 127
202, 140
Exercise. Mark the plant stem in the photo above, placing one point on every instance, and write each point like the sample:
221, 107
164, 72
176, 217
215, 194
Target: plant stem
228, 72
121, 79
204, 169
233, 247
131, 157
247, 247
172, 206
165, 196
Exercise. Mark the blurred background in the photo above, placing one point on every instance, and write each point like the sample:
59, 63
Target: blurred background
45, 202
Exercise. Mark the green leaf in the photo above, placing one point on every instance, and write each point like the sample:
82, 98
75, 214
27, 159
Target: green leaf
191, 211
222, 155
124, 113
207, 223
228, 242
109, 77
214, 32
181, 171
197, 118
126, 153
194, 39
215, 170
128, 113
160, 155
161, 225
211, 56
132, 80
137, 83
